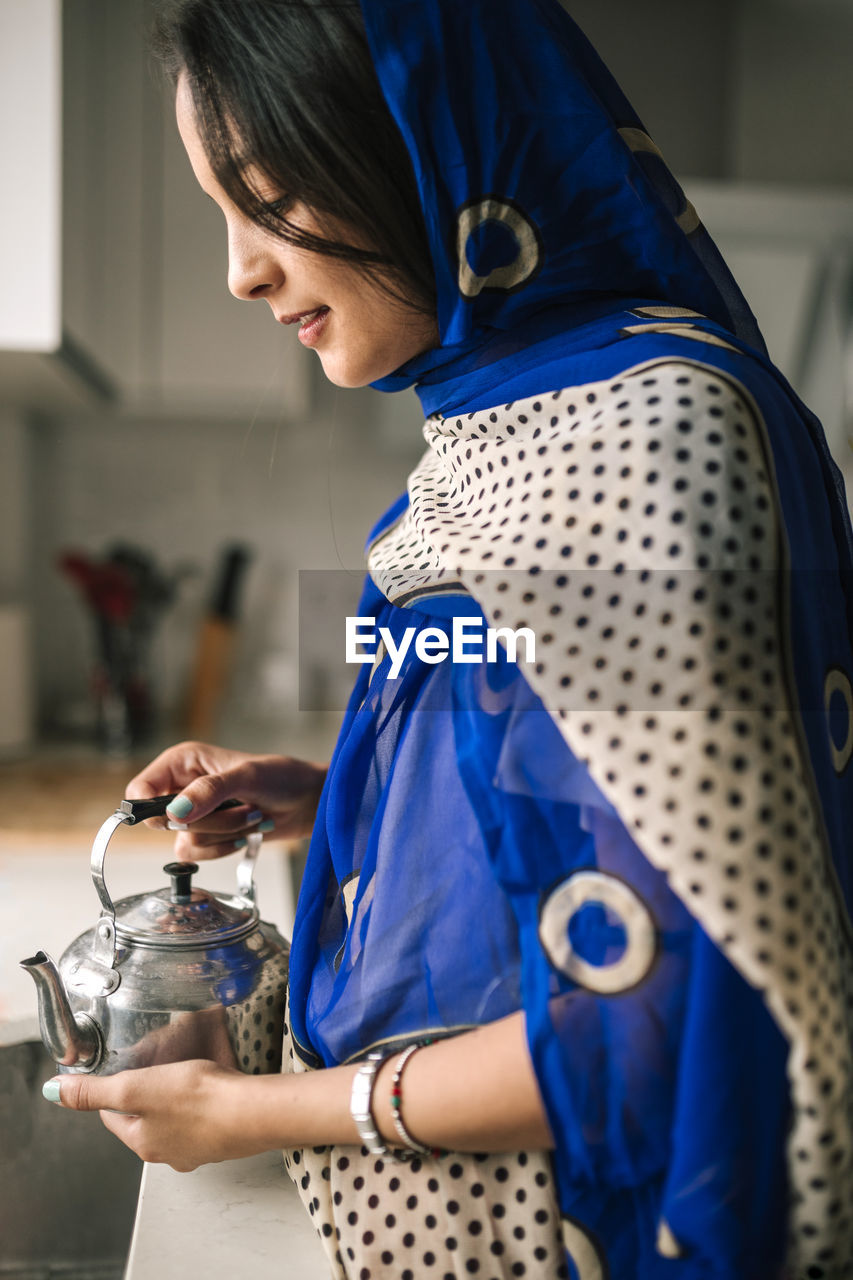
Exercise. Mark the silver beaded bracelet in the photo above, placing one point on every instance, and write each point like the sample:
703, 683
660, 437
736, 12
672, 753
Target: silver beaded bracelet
411, 1143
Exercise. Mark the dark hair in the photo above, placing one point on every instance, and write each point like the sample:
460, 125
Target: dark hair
289, 86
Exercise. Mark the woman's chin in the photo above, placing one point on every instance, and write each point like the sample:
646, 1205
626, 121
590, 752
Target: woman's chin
377, 351
347, 374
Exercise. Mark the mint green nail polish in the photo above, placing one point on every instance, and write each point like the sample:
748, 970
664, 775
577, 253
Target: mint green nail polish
50, 1090
254, 816
179, 808
269, 825
240, 844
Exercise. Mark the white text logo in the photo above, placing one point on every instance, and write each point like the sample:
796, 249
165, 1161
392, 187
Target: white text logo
432, 644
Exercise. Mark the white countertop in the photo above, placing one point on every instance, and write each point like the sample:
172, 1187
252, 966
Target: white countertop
224, 1222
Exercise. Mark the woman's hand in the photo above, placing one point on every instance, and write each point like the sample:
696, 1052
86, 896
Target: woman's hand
183, 1114
279, 796
472, 1092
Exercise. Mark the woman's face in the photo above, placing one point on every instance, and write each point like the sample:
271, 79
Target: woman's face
359, 333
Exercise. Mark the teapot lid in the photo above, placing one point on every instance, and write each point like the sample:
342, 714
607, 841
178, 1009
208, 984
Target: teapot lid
180, 915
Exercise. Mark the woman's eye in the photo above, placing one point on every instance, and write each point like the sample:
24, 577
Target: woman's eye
278, 207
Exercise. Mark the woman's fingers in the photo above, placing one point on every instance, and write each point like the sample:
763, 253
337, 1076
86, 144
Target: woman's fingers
275, 794
190, 849
172, 770
203, 794
120, 1125
201, 777
180, 1113
90, 1093
202, 842
222, 823
155, 778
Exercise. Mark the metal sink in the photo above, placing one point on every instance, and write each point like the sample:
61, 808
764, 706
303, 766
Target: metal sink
69, 1188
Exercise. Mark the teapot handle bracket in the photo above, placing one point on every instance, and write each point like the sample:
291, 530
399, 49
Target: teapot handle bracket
104, 954
104, 946
89, 977
246, 867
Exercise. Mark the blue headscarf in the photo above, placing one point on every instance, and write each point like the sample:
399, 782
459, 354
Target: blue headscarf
547, 205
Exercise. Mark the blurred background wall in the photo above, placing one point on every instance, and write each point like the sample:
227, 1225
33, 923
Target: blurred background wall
144, 405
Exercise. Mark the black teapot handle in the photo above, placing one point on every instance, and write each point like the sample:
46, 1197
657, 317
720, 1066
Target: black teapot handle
140, 810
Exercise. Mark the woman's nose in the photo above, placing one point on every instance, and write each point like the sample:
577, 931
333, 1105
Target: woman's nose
253, 272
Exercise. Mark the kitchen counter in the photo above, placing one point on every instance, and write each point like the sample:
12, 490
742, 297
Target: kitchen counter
61, 796
239, 1218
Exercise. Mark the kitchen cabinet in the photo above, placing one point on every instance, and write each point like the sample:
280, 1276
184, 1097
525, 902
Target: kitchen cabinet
109, 187
46, 357
150, 296
113, 265
30, 213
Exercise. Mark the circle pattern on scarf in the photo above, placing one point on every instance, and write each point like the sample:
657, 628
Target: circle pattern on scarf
564, 906
583, 1251
837, 689
642, 147
508, 276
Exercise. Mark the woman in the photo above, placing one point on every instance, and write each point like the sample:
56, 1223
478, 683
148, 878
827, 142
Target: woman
605, 886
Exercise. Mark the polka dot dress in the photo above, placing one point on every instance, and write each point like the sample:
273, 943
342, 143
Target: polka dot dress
490, 1216
255, 1024
634, 526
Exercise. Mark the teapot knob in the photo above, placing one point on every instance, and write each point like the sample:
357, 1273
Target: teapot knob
181, 874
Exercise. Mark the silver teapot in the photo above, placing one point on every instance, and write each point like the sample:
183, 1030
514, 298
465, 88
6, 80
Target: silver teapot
165, 976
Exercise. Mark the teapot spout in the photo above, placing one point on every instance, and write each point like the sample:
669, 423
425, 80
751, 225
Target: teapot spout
72, 1040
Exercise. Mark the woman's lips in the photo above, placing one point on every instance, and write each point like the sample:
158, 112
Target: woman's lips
311, 325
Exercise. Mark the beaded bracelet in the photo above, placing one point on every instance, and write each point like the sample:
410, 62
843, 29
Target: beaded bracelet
397, 1106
